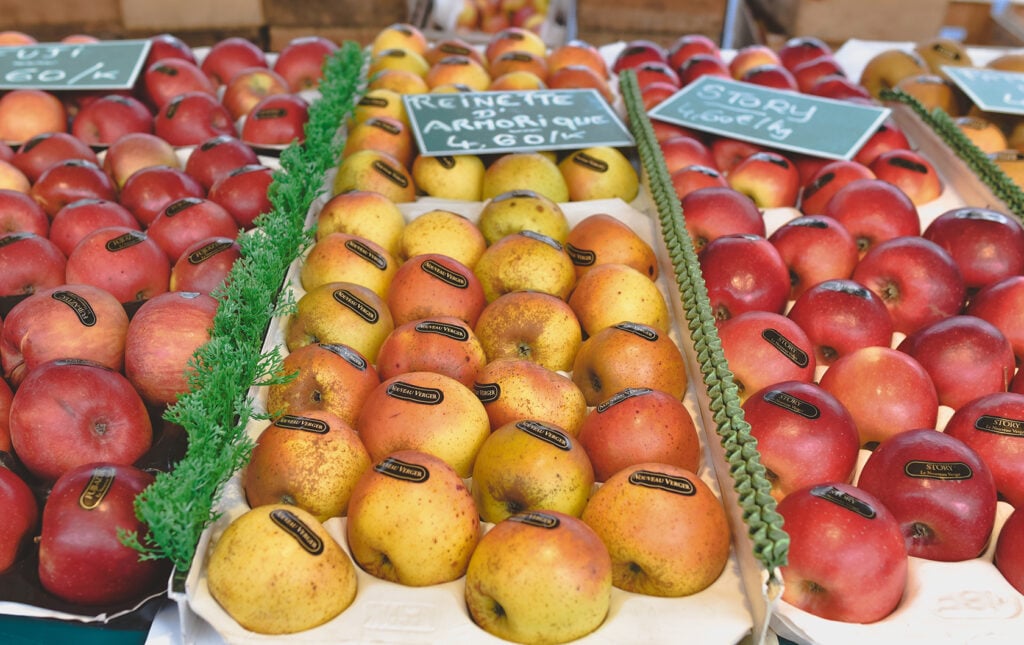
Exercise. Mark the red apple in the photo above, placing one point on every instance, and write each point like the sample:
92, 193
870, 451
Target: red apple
694, 177
689, 44
748, 57
81, 557
770, 75
887, 137
228, 56
250, 86
839, 316
277, 120
940, 490
702, 65
1009, 557
170, 77
71, 412
744, 272
149, 191
43, 150
847, 556
70, 180
21, 516
805, 436
78, 219
656, 92
916, 279
912, 172
162, 337
685, 150
655, 72
801, 49
636, 52
122, 260
769, 178
29, 263
70, 321
986, 244
19, 213
1002, 304
301, 61
729, 152
993, 425
216, 157
763, 348
205, 264
873, 210
826, 182
965, 356
442, 344
810, 71
108, 118
193, 117
188, 220
163, 46
433, 284
243, 192
815, 248
839, 88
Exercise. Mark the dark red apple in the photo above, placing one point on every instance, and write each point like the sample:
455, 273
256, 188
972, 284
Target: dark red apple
21, 516
887, 137
655, 93
149, 190
43, 150
243, 192
205, 264
122, 260
230, 55
770, 75
993, 425
826, 182
839, 88
108, 118
702, 65
1009, 556
301, 61
763, 348
801, 49
684, 150
636, 52
729, 152
188, 220
70, 180
815, 248
839, 316
655, 72
1002, 304
744, 272
810, 71
166, 45
277, 120
168, 78
713, 212
872, 211
689, 44
29, 263
694, 177
19, 213
216, 157
193, 117
78, 219
986, 244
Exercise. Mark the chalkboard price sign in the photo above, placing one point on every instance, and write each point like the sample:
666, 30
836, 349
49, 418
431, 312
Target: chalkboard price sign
776, 118
991, 90
107, 65
498, 122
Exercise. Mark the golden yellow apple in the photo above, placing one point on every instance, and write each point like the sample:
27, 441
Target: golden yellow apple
513, 389
522, 210
343, 257
340, 313
525, 170
530, 325
600, 172
444, 232
449, 177
612, 293
364, 213
525, 261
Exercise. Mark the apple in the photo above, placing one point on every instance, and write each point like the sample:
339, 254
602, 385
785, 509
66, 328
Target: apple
276, 120
689, 44
601, 238
987, 245
940, 490
744, 272
108, 118
27, 112
580, 77
216, 157
333, 378
135, 151
341, 257
966, 357
847, 555
685, 150
243, 192
71, 412
531, 325
445, 232
887, 137
911, 172
639, 425
124, 261
70, 180
526, 261
655, 72
167, 78
22, 512
815, 248
81, 557
918, 281
148, 191
13, 179
771, 75
524, 571
666, 530
301, 61
748, 57
521, 61
401, 81
16, 37
636, 52
343, 313
442, 344
166, 45
520, 210
612, 293
384, 134
839, 316
528, 465
816, 192
699, 65
1007, 558
999, 303
455, 71
45, 149
432, 285
572, 52
228, 56
186, 221
690, 178
810, 71
205, 264
769, 178
873, 210
402, 35
805, 435
840, 88
449, 176
193, 117
19, 213
514, 389
248, 86
764, 347
29, 263
77, 219
311, 459
992, 425
162, 337
729, 152
506, 173
801, 49
713, 212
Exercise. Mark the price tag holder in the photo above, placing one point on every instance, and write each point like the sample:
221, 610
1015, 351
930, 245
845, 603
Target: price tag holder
108, 65
791, 121
991, 90
463, 123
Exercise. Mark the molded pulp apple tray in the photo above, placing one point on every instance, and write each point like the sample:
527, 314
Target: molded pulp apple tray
389, 612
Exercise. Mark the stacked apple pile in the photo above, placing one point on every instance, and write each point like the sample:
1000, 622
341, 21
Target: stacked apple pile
491, 16
109, 259
863, 330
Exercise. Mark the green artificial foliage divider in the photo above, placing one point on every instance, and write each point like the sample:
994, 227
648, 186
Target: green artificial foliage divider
770, 541
181, 503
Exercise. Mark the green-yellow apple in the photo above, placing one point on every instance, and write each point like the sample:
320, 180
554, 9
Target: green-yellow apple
276, 570
374, 170
343, 257
513, 389
432, 284
666, 530
612, 293
332, 378
443, 344
601, 238
531, 170
424, 411
542, 577
528, 465
340, 313
449, 176
522, 210
412, 520
311, 459
526, 261
363, 213
530, 325
599, 172
445, 232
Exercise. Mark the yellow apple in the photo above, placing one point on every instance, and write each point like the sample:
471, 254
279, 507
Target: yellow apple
376, 171
542, 577
612, 293
398, 58
444, 232
886, 68
666, 530
364, 213
411, 520
601, 238
379, 102
600, 172
442, 344
525, 261
449, 177
402, 35
382, 133
311, 459
513, 389
530, 325
424, 411
340, 313
343, 257
456, 69
276, 570
530, 170
399, 81
522, 210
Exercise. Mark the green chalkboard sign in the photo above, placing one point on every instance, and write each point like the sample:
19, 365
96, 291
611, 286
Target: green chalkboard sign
497, 122
991, 90
777, 118
108, 65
